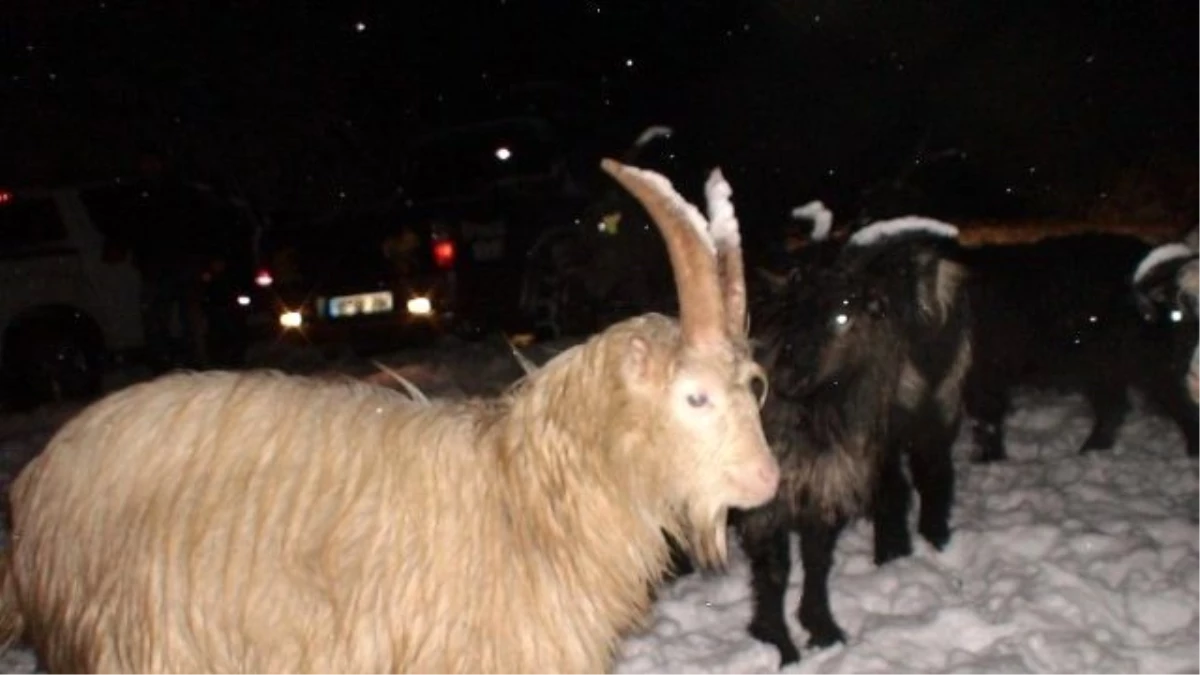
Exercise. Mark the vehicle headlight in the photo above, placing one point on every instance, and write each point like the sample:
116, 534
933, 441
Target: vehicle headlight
291, 319
419, 306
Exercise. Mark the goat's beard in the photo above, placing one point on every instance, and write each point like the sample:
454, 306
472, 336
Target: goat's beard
706, 532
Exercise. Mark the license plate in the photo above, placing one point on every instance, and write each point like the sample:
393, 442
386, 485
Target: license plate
378, 302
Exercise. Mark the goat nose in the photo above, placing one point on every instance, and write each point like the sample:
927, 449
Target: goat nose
769, 473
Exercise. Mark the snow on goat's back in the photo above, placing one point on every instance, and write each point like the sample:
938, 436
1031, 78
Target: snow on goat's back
884, 229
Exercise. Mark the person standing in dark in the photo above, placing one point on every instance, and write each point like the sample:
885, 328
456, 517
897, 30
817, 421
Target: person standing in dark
162, 253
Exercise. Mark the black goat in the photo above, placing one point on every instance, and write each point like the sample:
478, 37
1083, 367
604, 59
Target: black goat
1058, 313
1164, 286
866, 353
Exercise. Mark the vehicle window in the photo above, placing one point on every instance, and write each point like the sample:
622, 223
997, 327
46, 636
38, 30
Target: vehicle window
29, 222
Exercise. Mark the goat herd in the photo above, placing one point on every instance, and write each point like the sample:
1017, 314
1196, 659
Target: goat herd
255, 521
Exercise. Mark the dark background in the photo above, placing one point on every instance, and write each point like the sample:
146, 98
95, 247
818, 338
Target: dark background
1007, 109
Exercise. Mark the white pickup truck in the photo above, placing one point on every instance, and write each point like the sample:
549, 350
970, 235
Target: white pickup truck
71, 300
65, 306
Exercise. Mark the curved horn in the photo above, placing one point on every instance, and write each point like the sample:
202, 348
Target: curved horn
409, 388
723, 226
689, 247
527, 366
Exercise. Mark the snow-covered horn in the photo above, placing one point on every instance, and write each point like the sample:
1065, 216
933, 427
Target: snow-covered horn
689, 246
723, 227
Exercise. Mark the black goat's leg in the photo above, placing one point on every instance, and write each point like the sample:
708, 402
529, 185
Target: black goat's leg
817, 541
889, 508
1180, 408
932, 466
1110, 404
770, 566
1191, 431
986, 399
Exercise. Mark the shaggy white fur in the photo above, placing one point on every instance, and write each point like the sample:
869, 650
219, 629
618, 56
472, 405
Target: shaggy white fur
258, 522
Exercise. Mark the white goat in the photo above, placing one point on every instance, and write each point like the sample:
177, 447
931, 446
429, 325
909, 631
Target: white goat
222, 522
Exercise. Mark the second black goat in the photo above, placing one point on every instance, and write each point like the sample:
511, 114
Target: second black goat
866, 353
1165, 290
1060, 313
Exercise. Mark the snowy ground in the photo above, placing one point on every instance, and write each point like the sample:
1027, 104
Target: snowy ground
1059, 563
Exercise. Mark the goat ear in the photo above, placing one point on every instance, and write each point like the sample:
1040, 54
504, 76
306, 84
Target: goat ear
1188, 280
1192, 239
938, 282
636, 366
950, 277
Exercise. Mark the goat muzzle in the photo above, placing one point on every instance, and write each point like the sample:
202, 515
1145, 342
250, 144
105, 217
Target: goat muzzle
755, 482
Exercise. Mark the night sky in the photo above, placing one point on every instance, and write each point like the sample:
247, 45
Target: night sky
960, 109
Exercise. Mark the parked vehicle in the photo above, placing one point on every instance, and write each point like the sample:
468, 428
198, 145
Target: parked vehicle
604, 261
78, 275
364, 278
494, 188
193, 248
64, 300
445, 255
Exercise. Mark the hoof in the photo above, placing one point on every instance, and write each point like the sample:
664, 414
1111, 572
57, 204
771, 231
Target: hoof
772, 636
788, 655
827, 639
937, 535
989, 456
1096, 445
826, 636
887, 552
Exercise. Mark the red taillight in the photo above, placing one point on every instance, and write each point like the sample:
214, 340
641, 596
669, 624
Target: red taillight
5, 196
263, 278
443, 253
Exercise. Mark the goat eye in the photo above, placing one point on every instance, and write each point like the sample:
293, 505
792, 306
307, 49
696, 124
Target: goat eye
840, 322
697, 400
